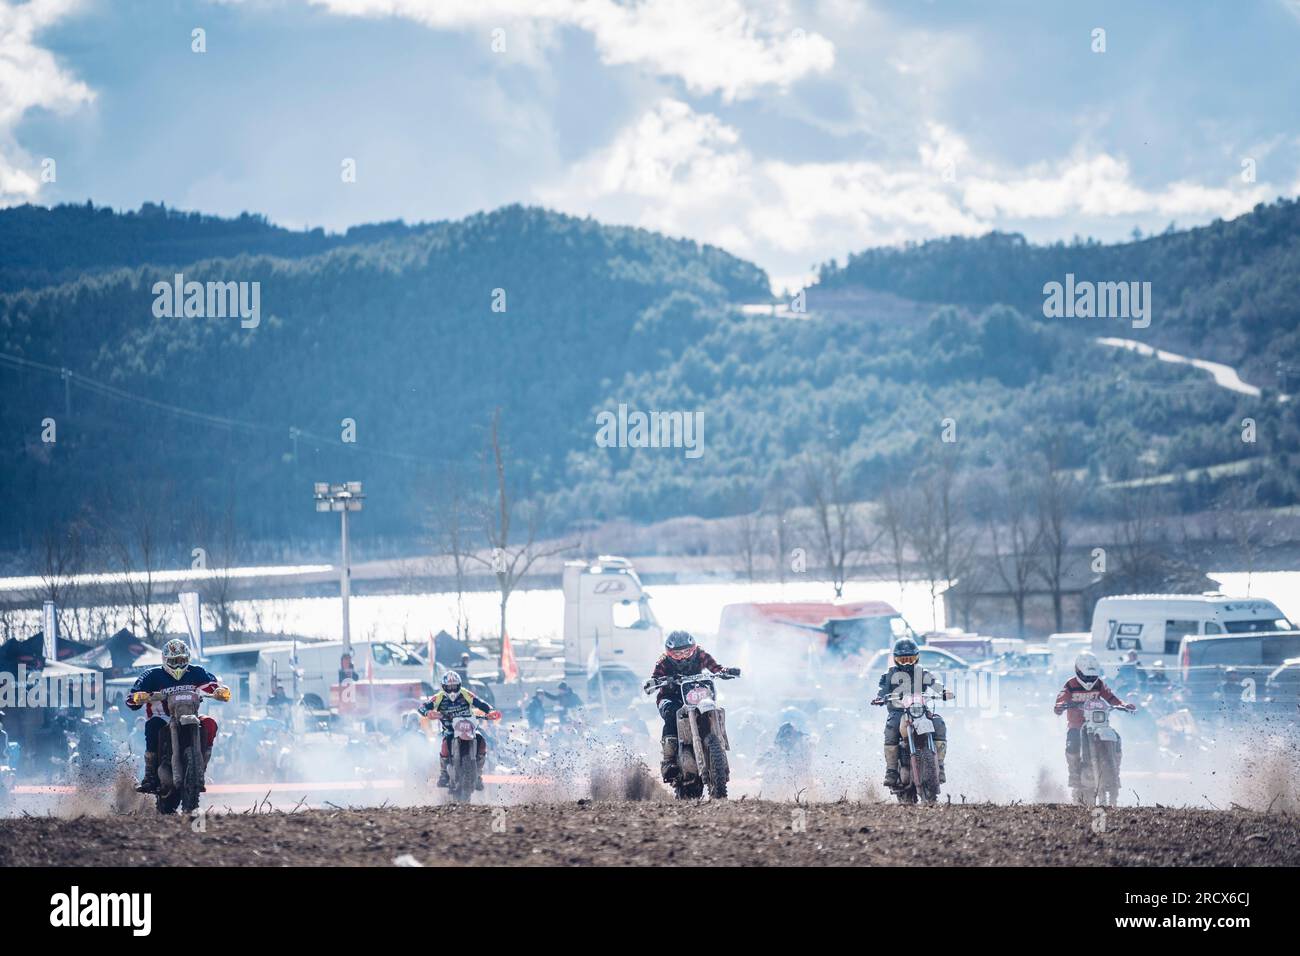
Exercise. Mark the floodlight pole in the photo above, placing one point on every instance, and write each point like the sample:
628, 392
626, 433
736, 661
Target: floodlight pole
342, 498
345, 587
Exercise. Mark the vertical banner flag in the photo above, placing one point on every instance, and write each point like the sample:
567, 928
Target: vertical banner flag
593, 659
190, 607
509, 666
50, 623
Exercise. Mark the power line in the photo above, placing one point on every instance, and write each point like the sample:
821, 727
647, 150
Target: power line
203, 418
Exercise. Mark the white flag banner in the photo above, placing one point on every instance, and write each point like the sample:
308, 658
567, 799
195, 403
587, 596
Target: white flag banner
593, 660
190, 608
50, 625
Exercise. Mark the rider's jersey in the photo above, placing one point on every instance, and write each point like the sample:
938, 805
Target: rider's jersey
448, 706
666, 666
1075, 693
901, 681
158, 679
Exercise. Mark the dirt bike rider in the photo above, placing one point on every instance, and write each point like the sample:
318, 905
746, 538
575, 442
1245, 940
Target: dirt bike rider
899, 681
449, 703
682, 658
176, 672
1085, 685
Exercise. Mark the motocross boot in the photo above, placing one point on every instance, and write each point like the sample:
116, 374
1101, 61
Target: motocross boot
891, 767
150, 783
478, 784
207, 757
941, 747
443, 780
668, 768
1073, 762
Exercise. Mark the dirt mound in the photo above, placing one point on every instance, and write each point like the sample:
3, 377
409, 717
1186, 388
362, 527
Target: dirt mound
641, 832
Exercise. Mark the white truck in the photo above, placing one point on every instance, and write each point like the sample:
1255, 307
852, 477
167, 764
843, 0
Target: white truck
1154, 625
611, 637
252, 670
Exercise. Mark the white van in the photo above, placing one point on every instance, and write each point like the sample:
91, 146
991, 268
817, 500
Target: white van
1154, 625
318, 668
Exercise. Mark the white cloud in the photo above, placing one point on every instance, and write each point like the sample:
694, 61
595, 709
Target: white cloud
688, 173
29, 79
730, 47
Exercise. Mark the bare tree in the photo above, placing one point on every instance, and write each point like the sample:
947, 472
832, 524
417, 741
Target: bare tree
747, 540
1057, 494
836, 521
895, 510
1015, 537
136, 547
940, 533
63, 557
1245, 527
218, 539
1136, 508
778, 507
510, 561
451, 520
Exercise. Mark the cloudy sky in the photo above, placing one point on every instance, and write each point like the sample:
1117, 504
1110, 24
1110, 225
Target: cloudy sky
787, 131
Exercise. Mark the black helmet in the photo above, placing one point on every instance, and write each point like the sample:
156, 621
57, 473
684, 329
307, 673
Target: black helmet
906, 653
680, 645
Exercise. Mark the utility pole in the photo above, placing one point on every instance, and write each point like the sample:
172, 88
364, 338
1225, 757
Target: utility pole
343, 499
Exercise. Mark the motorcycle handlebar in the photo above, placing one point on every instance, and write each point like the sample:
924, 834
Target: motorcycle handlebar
655, 684
879, 701
1079, 705
222, 693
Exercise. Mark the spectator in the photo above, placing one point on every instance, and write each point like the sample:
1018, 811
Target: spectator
535, 711
346, 669
277, 702
566, 701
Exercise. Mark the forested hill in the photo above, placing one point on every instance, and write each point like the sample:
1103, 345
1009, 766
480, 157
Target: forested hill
1230, 290
417, 338
417, 335
46, 246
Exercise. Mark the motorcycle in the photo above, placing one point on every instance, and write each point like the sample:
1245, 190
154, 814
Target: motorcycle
181, 767
462, 750
702, 743
918, 775
1099, 752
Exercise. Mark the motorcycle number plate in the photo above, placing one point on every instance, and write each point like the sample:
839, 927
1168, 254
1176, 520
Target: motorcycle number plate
923, 725
697, 694
464, 730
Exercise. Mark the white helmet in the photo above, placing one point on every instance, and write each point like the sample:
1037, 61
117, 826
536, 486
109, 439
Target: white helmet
1087, 669
176, 657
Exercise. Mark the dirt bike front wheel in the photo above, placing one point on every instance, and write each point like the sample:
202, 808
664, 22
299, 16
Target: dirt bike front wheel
719, 772
928, 786
192, 766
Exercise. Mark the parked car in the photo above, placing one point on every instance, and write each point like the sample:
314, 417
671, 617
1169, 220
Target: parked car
1210, 663
932, 659
1282, 686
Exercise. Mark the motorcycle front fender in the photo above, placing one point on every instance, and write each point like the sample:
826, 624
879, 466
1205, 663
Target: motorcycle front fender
701, 757
173, 728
